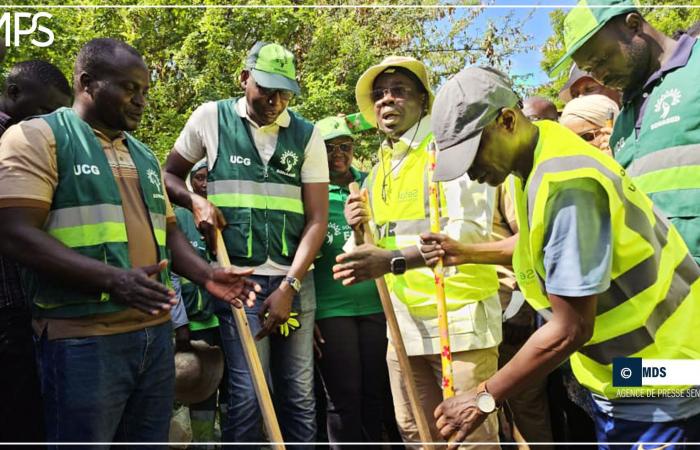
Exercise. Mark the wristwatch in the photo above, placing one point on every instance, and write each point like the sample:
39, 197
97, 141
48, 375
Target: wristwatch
293, 282
398, 263
485, 401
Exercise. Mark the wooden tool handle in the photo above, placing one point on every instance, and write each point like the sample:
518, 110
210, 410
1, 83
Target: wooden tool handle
397, 341
251, 355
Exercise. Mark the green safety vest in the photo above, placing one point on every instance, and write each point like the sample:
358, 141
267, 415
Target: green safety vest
401, 211
663, 159
262, 203
86, 214
196, 299
652, 307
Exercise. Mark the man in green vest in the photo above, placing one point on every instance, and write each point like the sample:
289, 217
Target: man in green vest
84, 210
612, 276
656, 137
395, 96
268, 189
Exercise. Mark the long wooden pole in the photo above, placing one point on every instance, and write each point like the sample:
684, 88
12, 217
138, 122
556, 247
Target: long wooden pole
251, 355
397, 342
448, 389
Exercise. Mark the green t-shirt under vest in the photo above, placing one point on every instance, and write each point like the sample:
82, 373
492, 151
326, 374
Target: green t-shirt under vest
661, 151
86, 215
332, 298
262, 203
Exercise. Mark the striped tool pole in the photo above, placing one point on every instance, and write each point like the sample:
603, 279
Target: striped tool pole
251, 355
448, 389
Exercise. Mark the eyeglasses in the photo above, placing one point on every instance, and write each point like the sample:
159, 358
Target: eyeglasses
269, 92
395, 91
589, 135
345, 147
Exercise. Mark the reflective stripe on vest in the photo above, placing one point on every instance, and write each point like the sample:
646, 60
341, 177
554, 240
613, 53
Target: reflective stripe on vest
402, 218
668, 169
250, 194
652, 273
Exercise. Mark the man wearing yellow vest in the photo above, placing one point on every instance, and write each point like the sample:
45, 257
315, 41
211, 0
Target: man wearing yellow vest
395, 95
613, 276
84, 209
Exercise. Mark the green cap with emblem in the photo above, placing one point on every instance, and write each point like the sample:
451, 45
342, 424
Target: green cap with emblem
584, 20
333, 127
272, 66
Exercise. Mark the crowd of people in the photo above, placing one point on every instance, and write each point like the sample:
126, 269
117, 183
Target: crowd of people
572, 239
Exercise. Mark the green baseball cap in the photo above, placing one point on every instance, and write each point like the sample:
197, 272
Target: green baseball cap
584, 20
333, 127
272, 66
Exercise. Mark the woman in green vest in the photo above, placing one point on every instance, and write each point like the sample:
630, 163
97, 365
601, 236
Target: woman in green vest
350, 325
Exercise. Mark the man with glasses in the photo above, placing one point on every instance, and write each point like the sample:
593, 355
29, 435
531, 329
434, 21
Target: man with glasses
268, 191
395, 95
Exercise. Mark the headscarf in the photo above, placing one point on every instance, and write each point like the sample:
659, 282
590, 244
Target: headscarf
593, 108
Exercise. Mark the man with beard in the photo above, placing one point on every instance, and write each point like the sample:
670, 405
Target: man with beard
84, 210
395, 95
657, 134
268, 182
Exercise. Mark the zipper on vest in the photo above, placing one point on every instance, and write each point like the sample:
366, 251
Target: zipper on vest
267, 228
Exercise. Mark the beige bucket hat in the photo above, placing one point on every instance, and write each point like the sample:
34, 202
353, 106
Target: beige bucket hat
366, 80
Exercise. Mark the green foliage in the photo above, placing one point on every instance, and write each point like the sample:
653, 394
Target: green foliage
666, 20
195, 55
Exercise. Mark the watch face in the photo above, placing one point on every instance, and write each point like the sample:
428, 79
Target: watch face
398, 265
485, 402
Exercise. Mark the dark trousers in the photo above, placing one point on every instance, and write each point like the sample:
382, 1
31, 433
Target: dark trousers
21, 418
355, 377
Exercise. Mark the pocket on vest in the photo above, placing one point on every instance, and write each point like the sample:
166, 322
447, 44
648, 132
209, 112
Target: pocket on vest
238, 233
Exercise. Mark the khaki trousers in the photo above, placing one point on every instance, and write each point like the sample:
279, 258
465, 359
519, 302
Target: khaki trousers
469, 369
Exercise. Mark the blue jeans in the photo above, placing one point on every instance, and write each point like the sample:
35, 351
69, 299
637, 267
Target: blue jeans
677, 432
117, 388
288, 366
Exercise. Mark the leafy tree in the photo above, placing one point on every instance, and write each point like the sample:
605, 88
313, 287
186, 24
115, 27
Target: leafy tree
195, 54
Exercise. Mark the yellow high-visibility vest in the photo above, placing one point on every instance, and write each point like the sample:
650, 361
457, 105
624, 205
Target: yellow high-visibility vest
652, 307
400, 209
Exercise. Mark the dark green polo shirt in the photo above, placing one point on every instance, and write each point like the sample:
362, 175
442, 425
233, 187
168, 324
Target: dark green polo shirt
332, 298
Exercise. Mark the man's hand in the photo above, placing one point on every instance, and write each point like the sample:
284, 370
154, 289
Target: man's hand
208, 218
278, 305
434, 245
356, 209
135, 288
182, 339
458, 417
366, 262
230, 285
